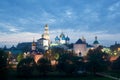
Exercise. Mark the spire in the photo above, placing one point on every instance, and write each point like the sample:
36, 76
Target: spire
62, 35
95, 38
46, 32
33, 43
46, 25
67, 38
46, 29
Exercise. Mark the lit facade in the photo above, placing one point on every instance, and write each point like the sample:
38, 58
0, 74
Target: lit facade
44, 42
80, 47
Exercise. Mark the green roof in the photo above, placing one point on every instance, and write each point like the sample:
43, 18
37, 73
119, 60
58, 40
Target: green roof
95, 42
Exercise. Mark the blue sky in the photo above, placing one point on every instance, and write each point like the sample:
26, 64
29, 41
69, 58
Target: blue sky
21, 20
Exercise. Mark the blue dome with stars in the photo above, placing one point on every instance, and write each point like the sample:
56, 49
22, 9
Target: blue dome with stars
67, 38
57, 38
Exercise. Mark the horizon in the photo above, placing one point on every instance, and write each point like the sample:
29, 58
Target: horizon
20, 21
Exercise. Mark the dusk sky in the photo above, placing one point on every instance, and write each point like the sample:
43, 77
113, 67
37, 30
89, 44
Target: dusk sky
21, 20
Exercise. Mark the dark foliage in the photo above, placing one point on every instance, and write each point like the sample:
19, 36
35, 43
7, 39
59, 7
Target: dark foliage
116, 65
58, 50
26, 66
97, 61
69, 63
114, 47
3, 63
43, 66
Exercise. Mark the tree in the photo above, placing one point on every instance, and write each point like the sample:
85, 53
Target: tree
26, 48
67, 63
114, 47
116, 65
3, 62
58, 50
19, 57
26, 66
97, 61
43, 66
56, 56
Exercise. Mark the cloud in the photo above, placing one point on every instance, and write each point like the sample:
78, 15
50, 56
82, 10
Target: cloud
15, 38
115, 6
24, 20
90, 15
9, 27
19, 37
69, 13
75, 19
76, 34
114, 10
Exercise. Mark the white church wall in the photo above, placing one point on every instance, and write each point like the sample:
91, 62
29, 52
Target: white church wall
80, 48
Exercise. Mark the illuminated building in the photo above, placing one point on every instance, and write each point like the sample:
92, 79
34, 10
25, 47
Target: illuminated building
80, 47
46, 33
118, 49
44, 42
62, 39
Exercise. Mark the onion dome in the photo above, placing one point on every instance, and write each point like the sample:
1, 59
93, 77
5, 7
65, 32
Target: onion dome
33, 43
96, 41
67, 38
57, 38
63, 38
62, 35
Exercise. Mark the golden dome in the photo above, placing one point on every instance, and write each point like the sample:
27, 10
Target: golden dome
33, 44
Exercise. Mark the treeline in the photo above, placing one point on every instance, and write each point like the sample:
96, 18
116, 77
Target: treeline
67, 64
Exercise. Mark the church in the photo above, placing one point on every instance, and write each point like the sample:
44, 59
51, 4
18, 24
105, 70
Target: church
38, 48
81, 47
62, 39
44, 42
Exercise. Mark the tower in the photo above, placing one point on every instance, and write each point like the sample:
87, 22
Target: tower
80, 47
96, 43
46, 33
44, 42
33, 45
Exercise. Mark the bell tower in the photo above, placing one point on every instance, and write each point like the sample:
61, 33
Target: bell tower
46, 33
33, 45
